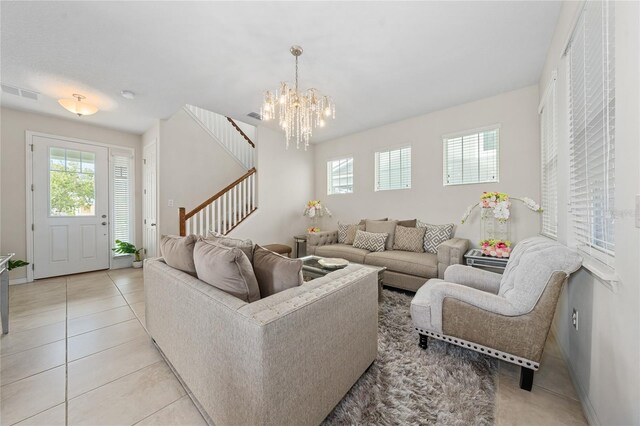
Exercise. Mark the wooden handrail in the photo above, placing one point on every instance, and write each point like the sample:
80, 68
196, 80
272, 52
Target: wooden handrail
233, 123
215, 197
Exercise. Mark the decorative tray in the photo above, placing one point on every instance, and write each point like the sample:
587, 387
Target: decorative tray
333, 263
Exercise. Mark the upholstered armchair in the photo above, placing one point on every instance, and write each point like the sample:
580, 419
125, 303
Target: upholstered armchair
506, 316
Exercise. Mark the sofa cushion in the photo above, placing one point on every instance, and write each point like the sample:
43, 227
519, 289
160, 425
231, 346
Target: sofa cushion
409, 223
178, 252
370, 240
347, 233
245, 245
418, 264
381, 227
344, 251
226, 268
275, 272
436, 235
409, 239
364, 221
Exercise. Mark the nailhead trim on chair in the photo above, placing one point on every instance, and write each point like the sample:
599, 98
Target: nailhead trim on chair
514, 359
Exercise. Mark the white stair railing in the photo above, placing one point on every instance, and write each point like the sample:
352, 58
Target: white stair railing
224, 211
226, 132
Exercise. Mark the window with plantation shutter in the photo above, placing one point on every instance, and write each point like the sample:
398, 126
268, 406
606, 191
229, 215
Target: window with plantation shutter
471, 157
393, 169
121, 219
340, 176
592, 130
549, 161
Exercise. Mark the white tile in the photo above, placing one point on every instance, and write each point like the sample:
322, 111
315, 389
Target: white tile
104, 338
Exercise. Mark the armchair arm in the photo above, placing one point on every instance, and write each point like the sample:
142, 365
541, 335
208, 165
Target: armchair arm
473, 277
316, 239
439, 291
451, 252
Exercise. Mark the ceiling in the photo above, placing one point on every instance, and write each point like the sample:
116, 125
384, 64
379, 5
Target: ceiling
380, 61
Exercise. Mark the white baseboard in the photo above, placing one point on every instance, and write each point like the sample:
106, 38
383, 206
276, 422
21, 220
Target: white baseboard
18, 281
587, 407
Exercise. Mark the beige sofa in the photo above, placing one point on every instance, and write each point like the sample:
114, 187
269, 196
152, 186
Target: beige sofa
287, 359
406, 270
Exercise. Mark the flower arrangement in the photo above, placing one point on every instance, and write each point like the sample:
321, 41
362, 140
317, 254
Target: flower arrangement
315, 209
496, 248
500, 203
313, 230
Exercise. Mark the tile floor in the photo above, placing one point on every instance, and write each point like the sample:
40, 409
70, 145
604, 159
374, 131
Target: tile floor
77, 353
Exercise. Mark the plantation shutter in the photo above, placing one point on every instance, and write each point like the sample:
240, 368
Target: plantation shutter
471, 158
393, 169
121, 221
592, 130
549, 162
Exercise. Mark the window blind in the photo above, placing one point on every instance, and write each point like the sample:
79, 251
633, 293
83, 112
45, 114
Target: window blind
592, 130
121, 217
393, 169
549, 162
471, 157
340, 176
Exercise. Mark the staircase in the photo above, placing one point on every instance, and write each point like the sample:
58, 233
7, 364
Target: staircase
229, 207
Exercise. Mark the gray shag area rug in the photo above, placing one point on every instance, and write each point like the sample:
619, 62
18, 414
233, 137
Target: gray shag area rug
406, 385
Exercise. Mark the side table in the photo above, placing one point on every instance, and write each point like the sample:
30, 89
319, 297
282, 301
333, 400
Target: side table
474, 257
4, 291
300, 242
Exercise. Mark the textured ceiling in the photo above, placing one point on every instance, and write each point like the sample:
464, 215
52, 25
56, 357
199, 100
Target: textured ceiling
381, 61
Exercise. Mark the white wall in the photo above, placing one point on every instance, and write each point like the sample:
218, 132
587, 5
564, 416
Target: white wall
14, 124
604, 353
428, 200
192, 168
285, 184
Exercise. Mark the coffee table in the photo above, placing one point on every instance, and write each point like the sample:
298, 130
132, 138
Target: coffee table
311, 270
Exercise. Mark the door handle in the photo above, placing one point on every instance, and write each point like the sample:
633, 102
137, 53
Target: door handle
153, 224
104, 223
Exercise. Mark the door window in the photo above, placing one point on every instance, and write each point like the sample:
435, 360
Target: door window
72, 187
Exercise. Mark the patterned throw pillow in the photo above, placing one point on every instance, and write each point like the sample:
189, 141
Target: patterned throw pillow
351, 233
436, 235
409, 239
371, 241
347, 233
342, 233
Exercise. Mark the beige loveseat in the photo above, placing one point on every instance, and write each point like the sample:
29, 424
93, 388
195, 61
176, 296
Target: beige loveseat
405, 269
287, 359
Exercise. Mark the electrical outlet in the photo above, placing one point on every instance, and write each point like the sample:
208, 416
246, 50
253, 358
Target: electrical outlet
574, 318
170, 203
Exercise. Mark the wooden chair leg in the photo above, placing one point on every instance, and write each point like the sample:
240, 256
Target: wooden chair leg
423, 341
526, 378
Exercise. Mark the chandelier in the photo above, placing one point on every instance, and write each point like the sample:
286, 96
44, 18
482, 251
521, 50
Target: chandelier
298, 112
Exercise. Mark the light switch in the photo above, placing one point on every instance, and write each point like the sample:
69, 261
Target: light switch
170, 203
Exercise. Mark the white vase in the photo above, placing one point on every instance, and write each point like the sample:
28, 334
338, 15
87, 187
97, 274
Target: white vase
492, 228
137, 264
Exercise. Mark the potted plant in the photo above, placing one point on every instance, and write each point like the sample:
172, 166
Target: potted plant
123, 247
17, 264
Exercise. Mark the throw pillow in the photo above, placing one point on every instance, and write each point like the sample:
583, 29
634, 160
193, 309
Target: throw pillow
245, 245
371, 241
409, 223
383, 227
436, 235
409, 239
274, 272
227, 269
342, 232
363, 221
178, 252
351, 233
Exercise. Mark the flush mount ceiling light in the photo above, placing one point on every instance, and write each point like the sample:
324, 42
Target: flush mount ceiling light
78, 107
298, 112
127, 94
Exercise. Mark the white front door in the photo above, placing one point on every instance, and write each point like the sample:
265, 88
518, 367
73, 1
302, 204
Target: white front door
70, 207
149, 194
